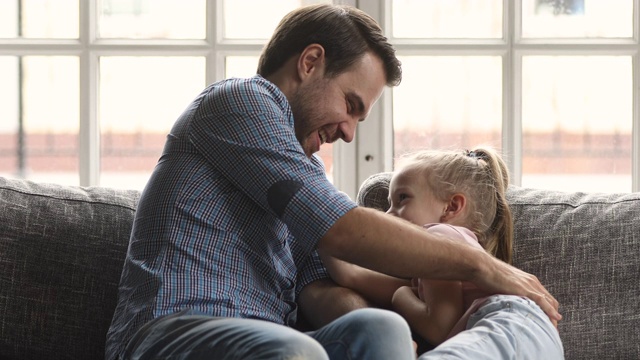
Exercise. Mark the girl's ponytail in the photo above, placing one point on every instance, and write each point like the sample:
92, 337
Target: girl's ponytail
499, 235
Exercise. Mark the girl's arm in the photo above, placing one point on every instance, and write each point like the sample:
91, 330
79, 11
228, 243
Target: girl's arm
432, 309
374, 286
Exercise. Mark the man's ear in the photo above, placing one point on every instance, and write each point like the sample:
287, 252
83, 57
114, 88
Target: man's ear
455, 207
311, 61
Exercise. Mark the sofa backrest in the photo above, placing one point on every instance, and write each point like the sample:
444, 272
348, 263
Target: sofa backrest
585, 248
62, 250
61, 254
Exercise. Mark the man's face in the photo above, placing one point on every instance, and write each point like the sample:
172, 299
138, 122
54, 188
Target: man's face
328, 109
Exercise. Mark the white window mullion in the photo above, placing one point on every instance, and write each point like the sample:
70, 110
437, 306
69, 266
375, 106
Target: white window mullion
512, 124
374, 148
371, 149
89, 136
635, 134
386, 102
512, 93
215, 64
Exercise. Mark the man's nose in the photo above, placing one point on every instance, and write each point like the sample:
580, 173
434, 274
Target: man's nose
348, 129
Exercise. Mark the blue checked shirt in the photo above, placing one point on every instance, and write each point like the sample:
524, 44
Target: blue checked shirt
230, 218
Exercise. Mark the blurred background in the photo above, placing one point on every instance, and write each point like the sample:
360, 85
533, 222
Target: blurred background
90, 88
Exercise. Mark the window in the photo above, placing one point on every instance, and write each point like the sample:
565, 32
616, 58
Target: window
90, 88
549, 82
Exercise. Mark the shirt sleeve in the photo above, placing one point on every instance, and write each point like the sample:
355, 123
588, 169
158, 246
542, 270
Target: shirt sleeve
313, 270
244, 128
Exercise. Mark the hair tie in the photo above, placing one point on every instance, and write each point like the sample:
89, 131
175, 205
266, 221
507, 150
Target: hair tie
473, 155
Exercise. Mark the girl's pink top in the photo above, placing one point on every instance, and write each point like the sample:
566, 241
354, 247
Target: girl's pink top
472, 296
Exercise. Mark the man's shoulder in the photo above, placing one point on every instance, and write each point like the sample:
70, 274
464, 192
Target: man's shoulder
247, 84
245, 94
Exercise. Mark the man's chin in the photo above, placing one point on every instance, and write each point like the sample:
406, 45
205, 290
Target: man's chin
310, 150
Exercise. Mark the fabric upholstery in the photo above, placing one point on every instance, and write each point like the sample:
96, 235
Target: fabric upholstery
585, 248
61, 255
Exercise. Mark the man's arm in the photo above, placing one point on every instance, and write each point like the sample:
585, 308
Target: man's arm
393, 246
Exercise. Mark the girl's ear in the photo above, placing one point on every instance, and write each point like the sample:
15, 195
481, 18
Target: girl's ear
454, 209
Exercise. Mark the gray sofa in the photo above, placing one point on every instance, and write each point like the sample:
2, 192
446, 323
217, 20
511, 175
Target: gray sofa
62, 249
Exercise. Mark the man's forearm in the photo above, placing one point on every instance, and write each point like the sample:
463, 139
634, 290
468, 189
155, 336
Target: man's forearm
395, 247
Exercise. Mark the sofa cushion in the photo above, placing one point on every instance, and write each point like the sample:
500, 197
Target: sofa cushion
61, 254
585, 248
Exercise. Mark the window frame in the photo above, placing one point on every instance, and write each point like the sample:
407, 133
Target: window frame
372, 150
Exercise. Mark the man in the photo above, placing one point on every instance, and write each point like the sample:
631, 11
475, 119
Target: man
223, 247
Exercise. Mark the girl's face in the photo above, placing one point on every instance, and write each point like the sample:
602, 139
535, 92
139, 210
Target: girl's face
410, 198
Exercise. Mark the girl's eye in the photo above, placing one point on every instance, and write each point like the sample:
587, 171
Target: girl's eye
402, 197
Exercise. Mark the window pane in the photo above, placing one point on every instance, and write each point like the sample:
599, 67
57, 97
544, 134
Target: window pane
9, 113
577, 18
240, 66
262, 18
9, 19
39, 19
152, 19
447, 101
577, 119
47, 116
446, 19
140, 99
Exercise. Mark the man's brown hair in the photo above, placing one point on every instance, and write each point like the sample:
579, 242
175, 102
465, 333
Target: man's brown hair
346, 34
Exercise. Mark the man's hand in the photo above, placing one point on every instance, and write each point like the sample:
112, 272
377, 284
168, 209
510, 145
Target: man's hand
501, 278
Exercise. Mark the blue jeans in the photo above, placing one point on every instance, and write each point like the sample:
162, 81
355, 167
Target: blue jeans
360, 334
505, 327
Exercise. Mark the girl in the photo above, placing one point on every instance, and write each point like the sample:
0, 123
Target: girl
459, 195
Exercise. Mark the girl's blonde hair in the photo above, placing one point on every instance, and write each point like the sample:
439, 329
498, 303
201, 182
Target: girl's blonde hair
482, 176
